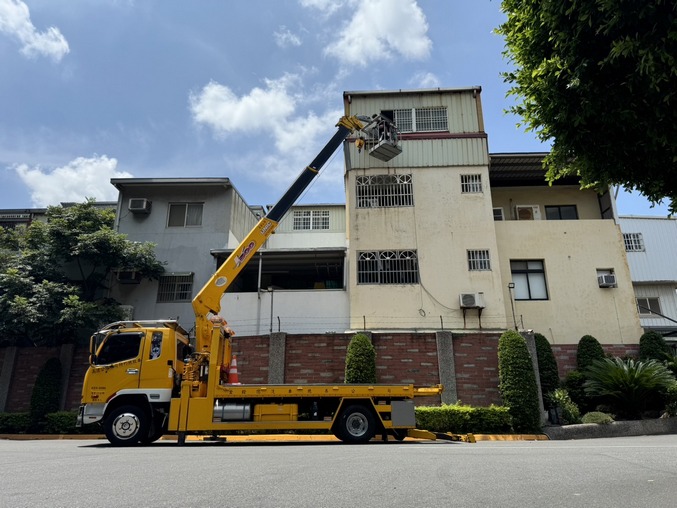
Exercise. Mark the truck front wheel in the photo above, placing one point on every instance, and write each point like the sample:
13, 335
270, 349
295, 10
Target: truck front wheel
357, 425
126, 425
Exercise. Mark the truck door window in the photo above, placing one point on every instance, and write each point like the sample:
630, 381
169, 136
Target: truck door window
119, 347
156, 345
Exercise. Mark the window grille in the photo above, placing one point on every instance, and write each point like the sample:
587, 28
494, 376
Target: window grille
478, 260
377, 191
175, 288
387, 267
311, 219
633, 242
185, 215
648, 306
419, 119
471, 183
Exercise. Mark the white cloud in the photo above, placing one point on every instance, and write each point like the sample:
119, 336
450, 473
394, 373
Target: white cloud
425, 80
326, 7
382, 29
217, 107
79, 179
15, 20
284, 38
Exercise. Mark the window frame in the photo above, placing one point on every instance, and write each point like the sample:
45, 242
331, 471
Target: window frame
384, 191
171, 291
423, 119
652, 312
634, 242
529, 274
559, 209
314, 219
388, 267
479, 260
186, 214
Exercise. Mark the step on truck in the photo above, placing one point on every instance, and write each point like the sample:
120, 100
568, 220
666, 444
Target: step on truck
149, 378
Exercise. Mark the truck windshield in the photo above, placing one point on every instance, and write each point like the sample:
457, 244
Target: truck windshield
119, 347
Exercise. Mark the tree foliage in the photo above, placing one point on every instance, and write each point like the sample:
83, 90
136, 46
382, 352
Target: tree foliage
597, 78
54, 275
360, 360
517, 382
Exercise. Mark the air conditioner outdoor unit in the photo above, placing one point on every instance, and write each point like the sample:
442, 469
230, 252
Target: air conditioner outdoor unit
128, 277
527, 212
471, 300
607, 280
139, 205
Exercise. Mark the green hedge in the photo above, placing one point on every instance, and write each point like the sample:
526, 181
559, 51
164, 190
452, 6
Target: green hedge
14, 423
60, 422
462, 419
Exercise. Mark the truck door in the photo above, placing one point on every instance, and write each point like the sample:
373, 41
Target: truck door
117, 365
159, 360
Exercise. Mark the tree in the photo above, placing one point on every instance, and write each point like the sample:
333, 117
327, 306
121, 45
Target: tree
596, 77
547, 367
54, 275
360, 360
517, 382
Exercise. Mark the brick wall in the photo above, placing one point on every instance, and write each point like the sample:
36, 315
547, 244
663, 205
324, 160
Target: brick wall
476, 365
252, 359
27, 366
565, 354
77, 376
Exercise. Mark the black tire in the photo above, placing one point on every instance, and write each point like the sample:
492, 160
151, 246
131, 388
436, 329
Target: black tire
399, 434
356, 425
126, 425
156, 431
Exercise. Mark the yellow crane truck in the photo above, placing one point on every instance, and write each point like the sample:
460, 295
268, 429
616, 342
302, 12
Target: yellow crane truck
146, 379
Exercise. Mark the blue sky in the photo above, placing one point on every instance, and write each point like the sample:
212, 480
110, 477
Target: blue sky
92, 90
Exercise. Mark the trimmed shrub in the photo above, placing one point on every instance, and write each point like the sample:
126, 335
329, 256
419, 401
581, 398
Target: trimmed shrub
574, 385
547, 367
360, 360
597, 417
569, 410
14, 423
517, 382
462, 419
630, 387
671, 401
652, 346
589, 350
46, 392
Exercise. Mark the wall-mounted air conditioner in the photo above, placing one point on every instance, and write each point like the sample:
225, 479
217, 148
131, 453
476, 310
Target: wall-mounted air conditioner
527, 212
607, 280
139, 205
471, 300
128, 276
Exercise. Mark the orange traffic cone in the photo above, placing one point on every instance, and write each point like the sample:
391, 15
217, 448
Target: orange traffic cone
233, 378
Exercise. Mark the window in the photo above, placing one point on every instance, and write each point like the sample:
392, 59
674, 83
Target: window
185, 215
498, 213
119, 347
175, 288
471, 183
633, 242
311, 219
387, 267
384, 191
478, 260
561, 212
529, 279
648, 306
419, 119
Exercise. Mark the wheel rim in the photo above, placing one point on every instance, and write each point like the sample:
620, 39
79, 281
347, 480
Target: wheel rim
357, 424
126, 426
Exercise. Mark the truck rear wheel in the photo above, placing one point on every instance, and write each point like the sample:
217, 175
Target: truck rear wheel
356, 425
126, 425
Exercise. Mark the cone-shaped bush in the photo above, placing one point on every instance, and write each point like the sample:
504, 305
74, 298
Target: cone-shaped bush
589, 350
360, 360
517, 382
46, 392
652, 346
547, 367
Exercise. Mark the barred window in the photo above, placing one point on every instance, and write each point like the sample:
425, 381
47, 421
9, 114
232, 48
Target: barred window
419, 119
185, 215
387, 267
633, 242
471, 183
311, 219
384, 191
478, 260
175, 288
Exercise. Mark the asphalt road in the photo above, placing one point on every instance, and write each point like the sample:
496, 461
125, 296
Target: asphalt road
630, 472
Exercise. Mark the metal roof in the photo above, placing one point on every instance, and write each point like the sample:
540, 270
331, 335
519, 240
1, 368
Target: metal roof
521, 169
